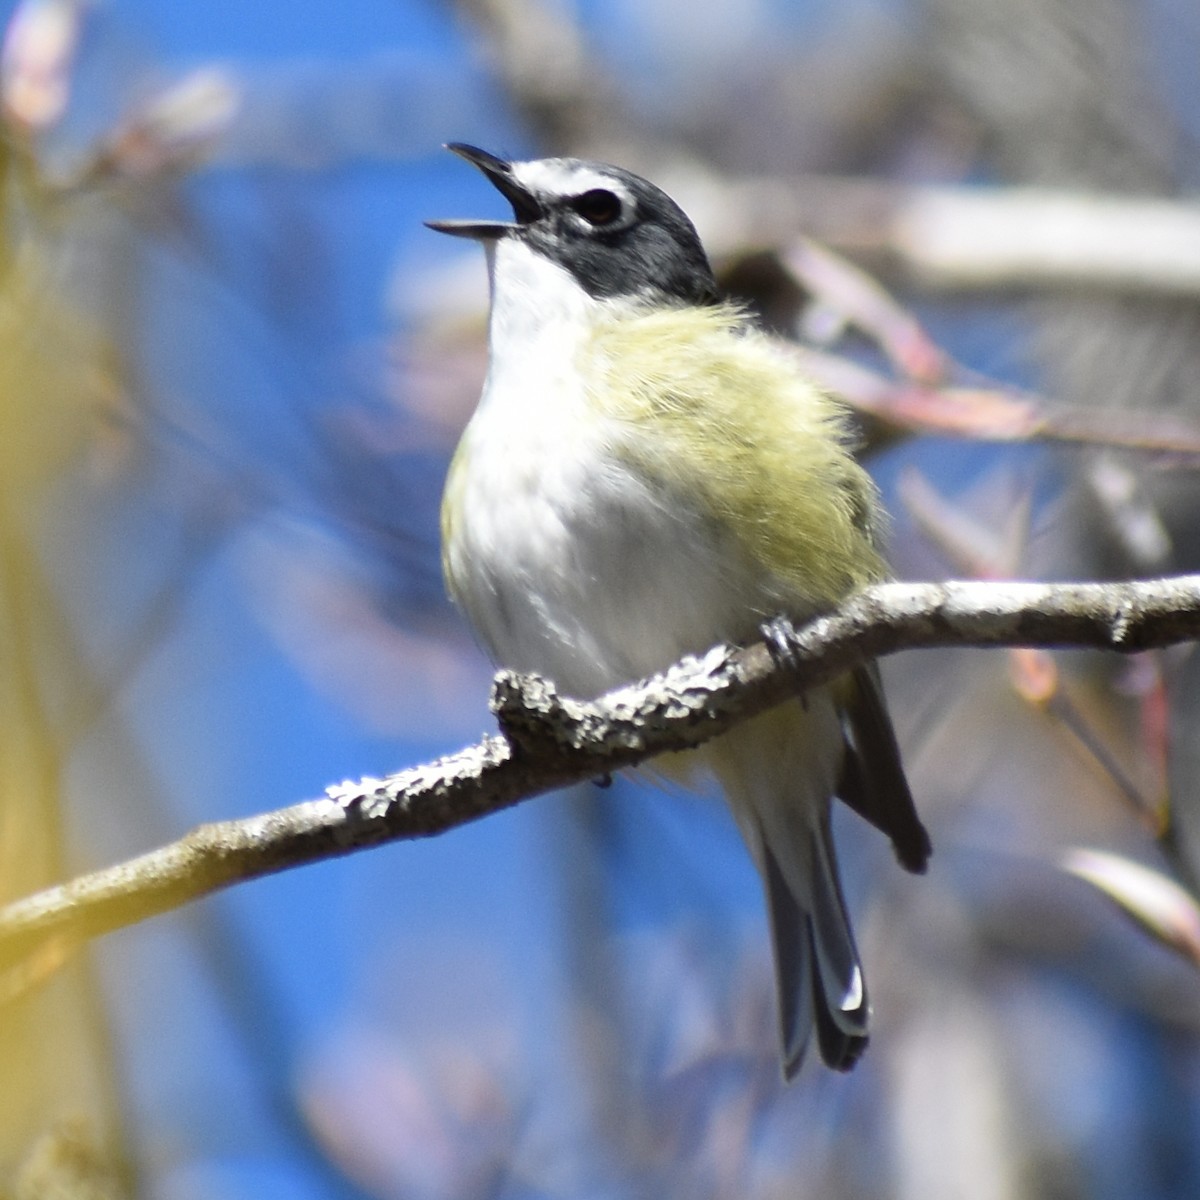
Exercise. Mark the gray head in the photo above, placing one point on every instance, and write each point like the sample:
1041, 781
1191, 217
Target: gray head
616, 233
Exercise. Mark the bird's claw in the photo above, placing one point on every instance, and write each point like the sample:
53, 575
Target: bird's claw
779, 634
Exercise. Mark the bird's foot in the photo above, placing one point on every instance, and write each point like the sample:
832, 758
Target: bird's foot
779, 634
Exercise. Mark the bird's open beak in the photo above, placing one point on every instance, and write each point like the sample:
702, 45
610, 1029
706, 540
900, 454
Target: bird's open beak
525, 206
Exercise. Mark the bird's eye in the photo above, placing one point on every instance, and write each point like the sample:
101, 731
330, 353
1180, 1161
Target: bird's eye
597, 207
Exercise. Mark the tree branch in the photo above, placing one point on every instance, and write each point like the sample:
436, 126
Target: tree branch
960, 237
547, 741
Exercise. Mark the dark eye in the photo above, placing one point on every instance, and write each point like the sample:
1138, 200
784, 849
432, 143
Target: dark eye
597, 207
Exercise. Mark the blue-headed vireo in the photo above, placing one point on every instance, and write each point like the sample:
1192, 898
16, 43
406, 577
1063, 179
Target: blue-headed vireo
647, 475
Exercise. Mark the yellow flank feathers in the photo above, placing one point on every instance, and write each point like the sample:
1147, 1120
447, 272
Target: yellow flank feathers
713, 405
448, 516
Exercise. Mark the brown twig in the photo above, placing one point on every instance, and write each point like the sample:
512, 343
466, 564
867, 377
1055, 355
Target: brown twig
998, 414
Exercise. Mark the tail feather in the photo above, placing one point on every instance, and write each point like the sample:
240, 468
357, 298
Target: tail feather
841, 974
817, 971
791, 937
780, 773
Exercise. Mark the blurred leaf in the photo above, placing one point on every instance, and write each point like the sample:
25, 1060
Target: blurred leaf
1158, 904
66, 1164
172, 131
36, 61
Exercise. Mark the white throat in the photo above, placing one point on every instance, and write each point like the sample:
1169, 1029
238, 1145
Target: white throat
532, 423
540, 316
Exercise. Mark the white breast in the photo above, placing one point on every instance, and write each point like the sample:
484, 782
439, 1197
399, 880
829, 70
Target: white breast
566, 562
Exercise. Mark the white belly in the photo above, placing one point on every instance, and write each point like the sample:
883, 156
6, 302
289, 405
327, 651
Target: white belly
571, 566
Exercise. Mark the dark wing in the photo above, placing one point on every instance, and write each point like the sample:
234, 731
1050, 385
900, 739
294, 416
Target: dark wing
872, 781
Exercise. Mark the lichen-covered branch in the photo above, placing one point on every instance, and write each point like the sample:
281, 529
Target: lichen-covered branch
547, 741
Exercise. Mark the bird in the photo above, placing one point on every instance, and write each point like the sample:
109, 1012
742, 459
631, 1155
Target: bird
647, 474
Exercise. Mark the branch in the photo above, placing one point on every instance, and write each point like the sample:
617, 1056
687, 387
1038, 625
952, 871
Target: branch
538, 52
547, 741
960, 237
986, 412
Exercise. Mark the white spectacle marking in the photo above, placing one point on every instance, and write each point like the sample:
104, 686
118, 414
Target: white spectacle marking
557, 177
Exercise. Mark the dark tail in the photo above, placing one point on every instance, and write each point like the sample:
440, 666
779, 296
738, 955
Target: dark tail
817, 971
